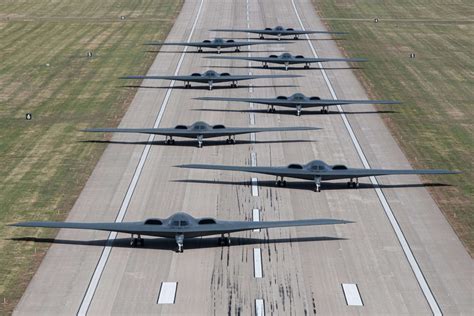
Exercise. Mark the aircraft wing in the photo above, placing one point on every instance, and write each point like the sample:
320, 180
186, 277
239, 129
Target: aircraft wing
245, 130
132, 228
301, 32
289, 102
235, 226
323, 60
237, 30
179, 78
352, 172
276, 171
176, 43
156, 131
247, 77
259, 59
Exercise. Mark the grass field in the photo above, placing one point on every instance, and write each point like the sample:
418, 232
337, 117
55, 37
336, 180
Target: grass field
45, 70
435, 126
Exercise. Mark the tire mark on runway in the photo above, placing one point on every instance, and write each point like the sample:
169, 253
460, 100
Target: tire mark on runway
435, 309
94, 282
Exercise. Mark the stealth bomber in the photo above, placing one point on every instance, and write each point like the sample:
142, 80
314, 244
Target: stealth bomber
278, 31
288, 59
318, 171
181, 226
200, 131
210, 77
217, 43
298, 101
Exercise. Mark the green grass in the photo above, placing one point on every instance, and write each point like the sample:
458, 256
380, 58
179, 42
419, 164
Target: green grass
434, 127
45, 70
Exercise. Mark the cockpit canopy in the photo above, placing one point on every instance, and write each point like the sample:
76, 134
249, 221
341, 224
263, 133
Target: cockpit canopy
219, 40
279, 28
200, 125
211, 73
180, 220
286, 56
317, 165
298, 97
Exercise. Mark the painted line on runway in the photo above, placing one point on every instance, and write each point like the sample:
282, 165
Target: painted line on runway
435, 309
259, 307
352, 295
167, 293
94, 282
253, 158
256, 218
254, 187
257, 263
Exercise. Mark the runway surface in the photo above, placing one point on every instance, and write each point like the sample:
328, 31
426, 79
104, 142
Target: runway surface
302, 269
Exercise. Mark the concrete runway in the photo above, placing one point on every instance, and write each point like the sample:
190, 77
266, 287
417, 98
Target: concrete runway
303, 268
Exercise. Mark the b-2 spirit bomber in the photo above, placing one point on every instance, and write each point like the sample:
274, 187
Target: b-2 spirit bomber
217, 43
210, 77
288, 59
200, 131
278, 31
298, 101
181, 226
317, 171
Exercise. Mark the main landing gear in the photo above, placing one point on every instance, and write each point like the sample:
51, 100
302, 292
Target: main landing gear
280, 182
224, 241
137, 242
187, 85
324, 110
230, 140
169, 140
271, 109
233, 84
353, 184
306, 66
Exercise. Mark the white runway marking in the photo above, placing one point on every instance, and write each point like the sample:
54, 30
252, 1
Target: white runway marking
351, 292
254, 187
257, 263
259, 307
86, 301
167, 293
253, 157
388, 211
256, 217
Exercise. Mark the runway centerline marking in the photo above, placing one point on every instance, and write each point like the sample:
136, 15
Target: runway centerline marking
435, 309
94, 282
167, 293
259, 307
257, 263
352, 295
256, 218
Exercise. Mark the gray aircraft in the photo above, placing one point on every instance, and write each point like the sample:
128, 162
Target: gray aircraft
210, 77
298, 101
287, 59
200, 131
278, 31
180, 226
217, 43
317, 171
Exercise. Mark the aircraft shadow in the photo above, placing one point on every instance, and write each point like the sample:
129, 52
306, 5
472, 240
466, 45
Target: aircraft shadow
283, 68
309, 186
205, 87
214, 52
290, 39
158, 243
293, 112
193, 143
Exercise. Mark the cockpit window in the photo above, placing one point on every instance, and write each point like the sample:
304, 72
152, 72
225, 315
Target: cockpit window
179, 223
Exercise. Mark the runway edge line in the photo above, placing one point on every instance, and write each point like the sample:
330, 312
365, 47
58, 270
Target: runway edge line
87, 299
435, 309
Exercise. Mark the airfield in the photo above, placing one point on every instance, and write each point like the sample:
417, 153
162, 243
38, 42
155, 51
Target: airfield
401, 252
